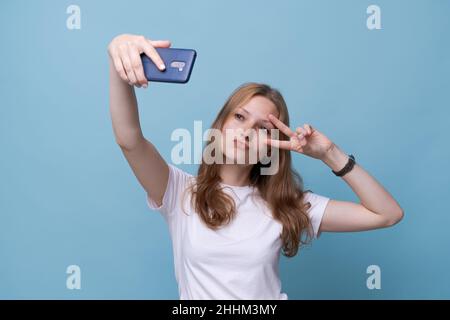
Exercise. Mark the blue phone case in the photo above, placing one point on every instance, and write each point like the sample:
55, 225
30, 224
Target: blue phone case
179, 64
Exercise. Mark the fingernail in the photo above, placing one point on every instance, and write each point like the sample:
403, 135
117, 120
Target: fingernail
144, 85
162, 66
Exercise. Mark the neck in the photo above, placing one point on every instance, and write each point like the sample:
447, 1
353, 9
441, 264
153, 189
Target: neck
235, 174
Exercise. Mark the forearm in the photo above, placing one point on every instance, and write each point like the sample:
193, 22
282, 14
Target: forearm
371, 194
123, 109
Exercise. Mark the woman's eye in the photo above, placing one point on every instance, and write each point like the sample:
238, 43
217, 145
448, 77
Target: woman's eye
238, 116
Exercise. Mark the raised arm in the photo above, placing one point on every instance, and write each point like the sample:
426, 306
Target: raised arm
377, 208
125, 72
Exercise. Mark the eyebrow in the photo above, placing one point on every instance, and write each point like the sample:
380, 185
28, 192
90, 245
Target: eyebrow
267, 121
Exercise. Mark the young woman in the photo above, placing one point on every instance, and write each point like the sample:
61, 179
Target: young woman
229, 223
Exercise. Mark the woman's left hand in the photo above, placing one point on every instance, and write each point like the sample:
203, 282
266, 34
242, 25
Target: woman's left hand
305, 140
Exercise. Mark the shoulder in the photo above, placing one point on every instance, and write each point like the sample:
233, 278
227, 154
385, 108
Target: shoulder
318, 202
178, 177
310, 196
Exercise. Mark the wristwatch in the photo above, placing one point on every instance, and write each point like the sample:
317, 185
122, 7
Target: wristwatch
349, 166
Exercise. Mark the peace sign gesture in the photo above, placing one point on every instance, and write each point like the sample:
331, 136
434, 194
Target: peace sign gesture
305, 140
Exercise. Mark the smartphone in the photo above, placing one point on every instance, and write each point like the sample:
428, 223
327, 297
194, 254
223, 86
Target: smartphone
179, 64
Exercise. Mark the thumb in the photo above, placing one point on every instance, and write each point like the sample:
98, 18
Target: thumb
160, 43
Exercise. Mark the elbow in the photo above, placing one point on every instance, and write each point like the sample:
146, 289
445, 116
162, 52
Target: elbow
129, 146
129, 142
126, 146
395, 218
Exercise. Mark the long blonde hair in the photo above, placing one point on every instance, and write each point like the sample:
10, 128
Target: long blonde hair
283, 192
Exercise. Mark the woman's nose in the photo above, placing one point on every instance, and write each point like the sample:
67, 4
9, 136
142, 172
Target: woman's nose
247, 133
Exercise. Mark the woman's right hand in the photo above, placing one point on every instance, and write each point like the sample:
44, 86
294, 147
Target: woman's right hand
125, 52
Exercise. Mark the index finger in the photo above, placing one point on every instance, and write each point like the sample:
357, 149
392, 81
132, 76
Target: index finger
151, 52
280, 125
280, 144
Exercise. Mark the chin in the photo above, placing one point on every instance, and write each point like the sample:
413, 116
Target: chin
241, 157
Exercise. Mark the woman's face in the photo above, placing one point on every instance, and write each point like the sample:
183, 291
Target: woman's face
244, 129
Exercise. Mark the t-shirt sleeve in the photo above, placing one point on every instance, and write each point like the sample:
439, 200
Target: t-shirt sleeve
177, 182
317, 209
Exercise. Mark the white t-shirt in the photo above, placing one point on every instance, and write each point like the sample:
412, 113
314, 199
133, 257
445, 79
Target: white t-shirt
237, 261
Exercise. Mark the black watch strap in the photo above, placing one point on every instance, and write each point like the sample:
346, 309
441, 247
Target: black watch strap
347, 167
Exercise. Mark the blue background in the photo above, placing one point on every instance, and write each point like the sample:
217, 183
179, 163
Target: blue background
69, 197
